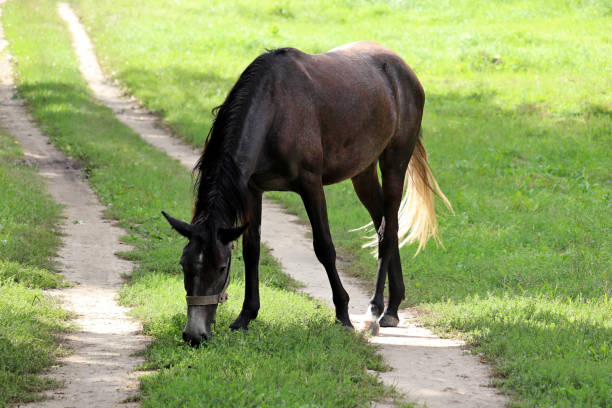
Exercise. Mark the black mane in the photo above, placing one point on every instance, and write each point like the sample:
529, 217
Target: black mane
220, 191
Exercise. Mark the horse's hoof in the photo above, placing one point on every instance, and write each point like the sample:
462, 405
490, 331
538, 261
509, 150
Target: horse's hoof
388, 321
369, 327
346, 324
239, 324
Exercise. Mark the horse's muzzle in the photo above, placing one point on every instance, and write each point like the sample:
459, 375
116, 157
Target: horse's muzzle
194, 340
199, 321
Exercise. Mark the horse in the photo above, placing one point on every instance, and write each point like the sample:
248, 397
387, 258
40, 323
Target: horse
296, 122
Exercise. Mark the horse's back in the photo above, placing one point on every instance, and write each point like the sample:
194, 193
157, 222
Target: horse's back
396, 71
341, 108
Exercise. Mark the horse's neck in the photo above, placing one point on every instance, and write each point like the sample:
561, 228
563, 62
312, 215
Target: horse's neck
241, 155
249, 145
222, 192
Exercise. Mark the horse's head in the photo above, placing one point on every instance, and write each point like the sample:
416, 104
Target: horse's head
206, 267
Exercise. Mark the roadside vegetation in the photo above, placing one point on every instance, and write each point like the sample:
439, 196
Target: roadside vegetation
28, 242
293, 354
518, 127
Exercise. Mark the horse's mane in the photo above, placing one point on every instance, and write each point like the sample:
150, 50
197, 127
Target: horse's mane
220, 191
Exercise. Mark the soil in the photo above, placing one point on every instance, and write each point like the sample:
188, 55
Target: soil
430, 370
100, 368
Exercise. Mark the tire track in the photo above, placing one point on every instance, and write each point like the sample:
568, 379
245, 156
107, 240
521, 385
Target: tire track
436, 372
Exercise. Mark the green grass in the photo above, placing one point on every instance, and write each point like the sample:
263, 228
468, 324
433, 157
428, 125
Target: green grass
287, 359
552, 351
28, 234
518, 128
28, 242
292, 355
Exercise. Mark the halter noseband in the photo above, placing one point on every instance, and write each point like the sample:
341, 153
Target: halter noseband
211, 299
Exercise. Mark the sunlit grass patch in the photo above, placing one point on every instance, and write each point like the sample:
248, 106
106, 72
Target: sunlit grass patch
548, 349
29, 319
289, 355
29, 276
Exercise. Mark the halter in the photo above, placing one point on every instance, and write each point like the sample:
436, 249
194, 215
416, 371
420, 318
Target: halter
211, 299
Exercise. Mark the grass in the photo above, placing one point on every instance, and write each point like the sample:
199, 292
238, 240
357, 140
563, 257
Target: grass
518, 129
282, 351
287, 359
28, 243
550, 351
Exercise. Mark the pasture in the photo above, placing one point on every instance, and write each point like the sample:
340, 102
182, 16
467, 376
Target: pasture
281, 352
518, 128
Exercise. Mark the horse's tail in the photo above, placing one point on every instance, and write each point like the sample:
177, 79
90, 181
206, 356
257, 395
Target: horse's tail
417, 216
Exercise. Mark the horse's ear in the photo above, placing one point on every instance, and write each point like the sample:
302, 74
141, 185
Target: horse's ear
227, 235
181, 227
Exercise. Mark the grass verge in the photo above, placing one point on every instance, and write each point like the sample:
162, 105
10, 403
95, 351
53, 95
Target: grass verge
28, 243
293, 354
518, 128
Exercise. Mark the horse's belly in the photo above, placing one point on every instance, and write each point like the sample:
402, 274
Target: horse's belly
353, 146
345, 164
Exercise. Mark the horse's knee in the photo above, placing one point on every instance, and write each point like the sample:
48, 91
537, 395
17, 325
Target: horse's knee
325, 252
341, 299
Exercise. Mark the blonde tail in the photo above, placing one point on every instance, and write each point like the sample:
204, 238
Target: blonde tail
417, 216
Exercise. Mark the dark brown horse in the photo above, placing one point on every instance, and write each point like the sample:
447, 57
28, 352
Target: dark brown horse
297, 122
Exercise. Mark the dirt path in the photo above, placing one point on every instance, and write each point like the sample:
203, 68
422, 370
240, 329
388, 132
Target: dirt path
428, 369
98, 373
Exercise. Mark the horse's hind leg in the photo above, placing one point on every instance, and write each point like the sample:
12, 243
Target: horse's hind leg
390, 317
313, 196
370, 194
393, 164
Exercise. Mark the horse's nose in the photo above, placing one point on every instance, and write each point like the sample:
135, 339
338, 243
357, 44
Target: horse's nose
193, 339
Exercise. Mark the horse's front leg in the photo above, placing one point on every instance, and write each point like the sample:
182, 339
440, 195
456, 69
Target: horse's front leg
313, 197
250, 252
